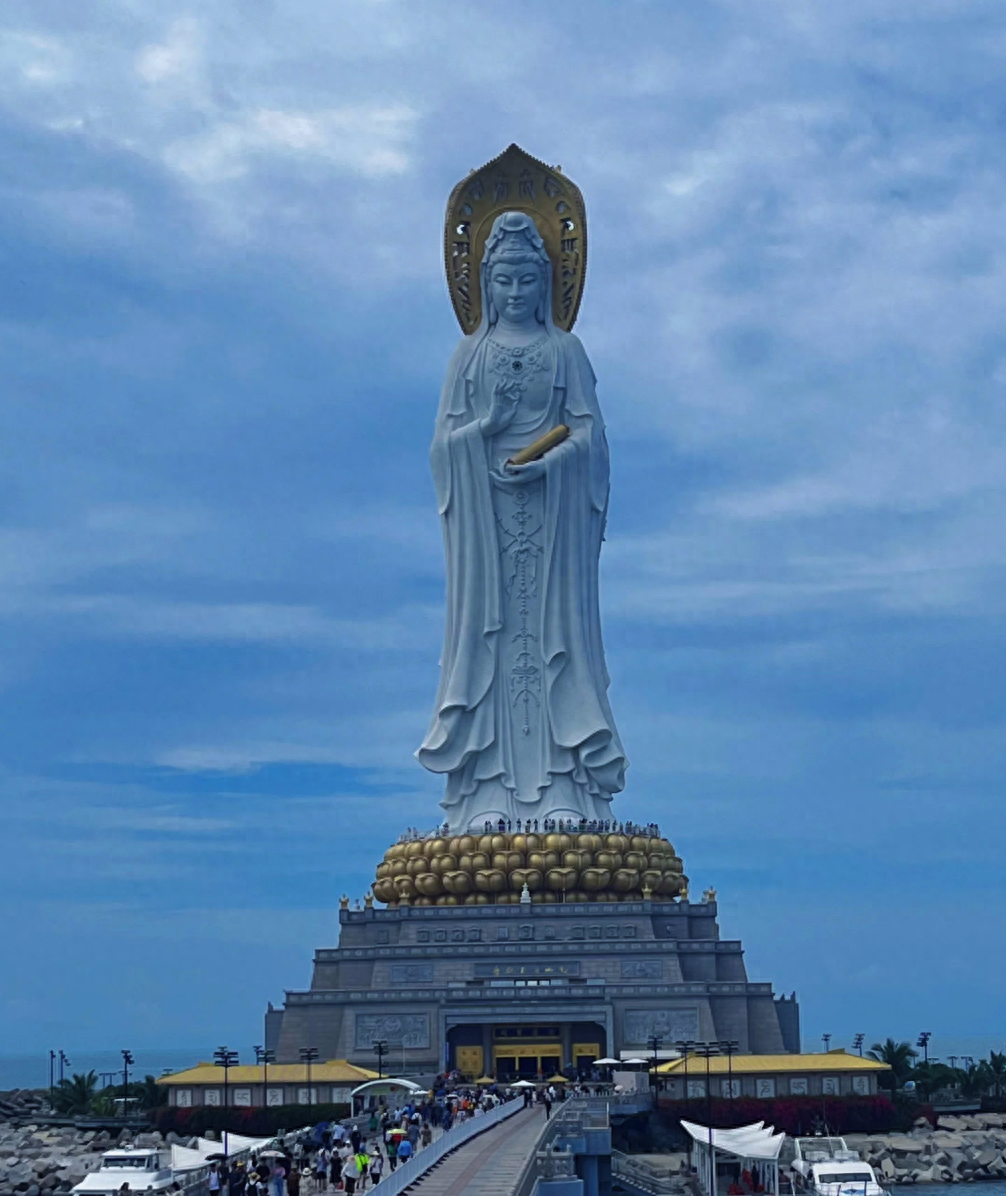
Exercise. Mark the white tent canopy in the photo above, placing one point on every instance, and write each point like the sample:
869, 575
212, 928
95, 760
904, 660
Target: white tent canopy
394, 1089
187, 1158
756, 1143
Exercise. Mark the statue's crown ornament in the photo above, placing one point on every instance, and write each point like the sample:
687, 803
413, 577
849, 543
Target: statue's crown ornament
516, 182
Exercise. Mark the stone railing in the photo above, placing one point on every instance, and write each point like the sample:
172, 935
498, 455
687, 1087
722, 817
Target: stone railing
644, 1176
572, 1130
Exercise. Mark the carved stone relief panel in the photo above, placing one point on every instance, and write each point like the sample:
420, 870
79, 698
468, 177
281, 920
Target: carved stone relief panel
671, 1025
410, 1030
412, 973
642, 969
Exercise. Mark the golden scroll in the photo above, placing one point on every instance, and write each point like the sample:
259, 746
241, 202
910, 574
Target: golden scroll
541, 446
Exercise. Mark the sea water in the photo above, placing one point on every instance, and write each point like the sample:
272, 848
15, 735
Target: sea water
32, 1071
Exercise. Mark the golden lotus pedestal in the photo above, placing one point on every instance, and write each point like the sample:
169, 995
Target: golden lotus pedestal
555, 867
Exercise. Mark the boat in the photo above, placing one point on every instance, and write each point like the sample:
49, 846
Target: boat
827, 1167
144, 1170
157, 1169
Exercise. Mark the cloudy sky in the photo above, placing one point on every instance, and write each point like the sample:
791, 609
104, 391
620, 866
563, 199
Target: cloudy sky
224, 328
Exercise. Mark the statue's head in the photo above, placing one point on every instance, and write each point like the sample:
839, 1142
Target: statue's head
516, 271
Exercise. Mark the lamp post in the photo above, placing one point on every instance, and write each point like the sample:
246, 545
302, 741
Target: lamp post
857, 1044
308, 1055
826, 1039
380, 1050
52, 1082
728, 1046
226, 1059
683, 1045
923, 1042
707, 1049
264, 1057
654, 1042
127, 1059
63, 1062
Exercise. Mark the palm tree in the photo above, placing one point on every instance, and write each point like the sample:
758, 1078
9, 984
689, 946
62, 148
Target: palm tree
932, 1076
898, 1056
997, 1071
150, 1093
76, 1095
977, 1079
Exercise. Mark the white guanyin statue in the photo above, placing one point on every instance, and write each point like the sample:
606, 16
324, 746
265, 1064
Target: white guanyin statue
522, 727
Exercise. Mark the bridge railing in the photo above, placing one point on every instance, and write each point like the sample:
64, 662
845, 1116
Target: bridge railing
408, 1172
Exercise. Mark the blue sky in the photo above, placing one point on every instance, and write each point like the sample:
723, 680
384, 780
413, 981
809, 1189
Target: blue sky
224, 327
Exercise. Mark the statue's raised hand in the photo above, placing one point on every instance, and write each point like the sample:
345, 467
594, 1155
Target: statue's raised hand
502, 409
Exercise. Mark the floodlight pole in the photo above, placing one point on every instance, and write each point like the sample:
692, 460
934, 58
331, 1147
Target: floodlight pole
127, 1058
265, 1057
308, 1055
226, 1059
707, 1049
728, 1046
380, 1050
654, 1043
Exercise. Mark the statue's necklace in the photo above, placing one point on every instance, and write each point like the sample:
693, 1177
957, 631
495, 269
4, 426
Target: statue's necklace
517, 360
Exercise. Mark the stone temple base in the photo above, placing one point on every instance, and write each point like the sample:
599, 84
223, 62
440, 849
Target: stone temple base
527, 988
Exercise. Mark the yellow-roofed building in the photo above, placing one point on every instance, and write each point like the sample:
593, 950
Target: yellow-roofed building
253, 1085
831, 1073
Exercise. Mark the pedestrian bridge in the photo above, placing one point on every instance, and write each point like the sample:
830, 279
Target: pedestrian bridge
516, 1151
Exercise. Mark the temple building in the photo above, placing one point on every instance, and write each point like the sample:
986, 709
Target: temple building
528, 989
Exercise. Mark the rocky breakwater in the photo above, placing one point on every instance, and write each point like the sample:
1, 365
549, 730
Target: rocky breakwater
39, 1161
958, 1149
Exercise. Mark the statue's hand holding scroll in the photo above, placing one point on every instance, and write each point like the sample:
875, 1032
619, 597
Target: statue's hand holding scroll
502, 409
524, 473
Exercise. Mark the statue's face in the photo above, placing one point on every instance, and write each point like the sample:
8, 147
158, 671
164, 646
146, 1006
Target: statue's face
515, 289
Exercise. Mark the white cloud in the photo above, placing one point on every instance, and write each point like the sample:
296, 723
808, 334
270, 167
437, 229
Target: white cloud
179, 55
371, 141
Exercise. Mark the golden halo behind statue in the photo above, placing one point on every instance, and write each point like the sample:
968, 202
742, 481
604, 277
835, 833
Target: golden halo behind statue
515, 182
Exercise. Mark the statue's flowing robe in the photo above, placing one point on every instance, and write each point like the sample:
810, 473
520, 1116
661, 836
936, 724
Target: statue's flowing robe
471, 736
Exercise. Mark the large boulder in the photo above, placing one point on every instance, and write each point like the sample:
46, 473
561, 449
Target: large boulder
928, 1175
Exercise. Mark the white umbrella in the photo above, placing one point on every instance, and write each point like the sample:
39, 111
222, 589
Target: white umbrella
606, 1062
644, 1061
522, 1084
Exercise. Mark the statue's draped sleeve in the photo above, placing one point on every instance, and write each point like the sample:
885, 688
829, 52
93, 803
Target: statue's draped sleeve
463, 718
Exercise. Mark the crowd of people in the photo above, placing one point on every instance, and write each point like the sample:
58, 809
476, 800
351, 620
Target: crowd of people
349, 1156
530, 825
